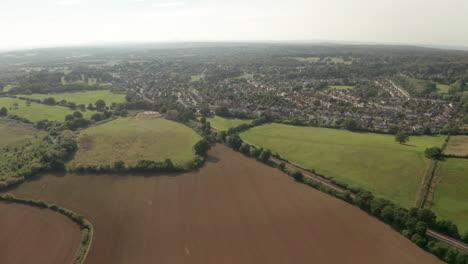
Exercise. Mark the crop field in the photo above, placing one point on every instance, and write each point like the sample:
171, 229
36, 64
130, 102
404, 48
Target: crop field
458, 145
451, 198
144, 137
221, 123
88, 97
340, 87
33, 235
374, 162
233, 210
35, 112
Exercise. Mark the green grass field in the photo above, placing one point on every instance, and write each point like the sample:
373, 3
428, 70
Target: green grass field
451, 196
442, 88
374, 162
196, 78
340, 87
35, 112
144, 137
8, 88
85, 98
221, 123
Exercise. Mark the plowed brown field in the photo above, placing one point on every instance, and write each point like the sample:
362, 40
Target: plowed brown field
234, 210
29, 235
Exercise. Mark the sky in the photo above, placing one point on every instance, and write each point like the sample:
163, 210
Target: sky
47, 23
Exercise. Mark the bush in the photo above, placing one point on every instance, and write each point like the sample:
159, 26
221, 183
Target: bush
298, 176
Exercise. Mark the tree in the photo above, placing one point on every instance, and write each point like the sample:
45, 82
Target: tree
100, 104
222, 111
364, 200
203, 120
202, 147
245, 149
282, 166
96, 117
418, 240
401, 137
77, 114
393, 129
3, 111
264, 156
235, 142
298, 176
119, 165
433, 153
49, 101
351, 125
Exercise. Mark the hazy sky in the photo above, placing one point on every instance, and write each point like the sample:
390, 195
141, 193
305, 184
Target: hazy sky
33, 23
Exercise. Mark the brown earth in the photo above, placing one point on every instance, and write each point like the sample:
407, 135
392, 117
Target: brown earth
234, 210
31, 235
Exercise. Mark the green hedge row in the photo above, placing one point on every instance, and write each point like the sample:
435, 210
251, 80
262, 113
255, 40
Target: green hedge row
85, 226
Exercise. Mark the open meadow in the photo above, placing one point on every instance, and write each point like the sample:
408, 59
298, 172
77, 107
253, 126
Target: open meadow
34, 235
341, 87
143, 137
12, 132
35, 112
374, 162
451, 197
87, 97
233, 210
221, 123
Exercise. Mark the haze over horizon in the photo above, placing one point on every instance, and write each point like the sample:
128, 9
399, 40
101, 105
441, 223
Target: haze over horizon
35, 24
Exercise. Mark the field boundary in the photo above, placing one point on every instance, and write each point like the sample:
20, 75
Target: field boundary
87, 229
322, 183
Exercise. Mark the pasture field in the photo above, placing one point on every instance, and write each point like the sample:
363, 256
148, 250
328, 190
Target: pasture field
13, 132
144, 137
451, 196
221, 123
87, 97
374, 162
34, 235
458, 145
340, 87
233, 210
35, 112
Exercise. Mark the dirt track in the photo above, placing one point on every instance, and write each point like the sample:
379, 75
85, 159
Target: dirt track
29, 235
234, 210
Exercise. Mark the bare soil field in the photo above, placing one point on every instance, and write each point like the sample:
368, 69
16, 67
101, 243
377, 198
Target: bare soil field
458, 145
233, 210
32, 235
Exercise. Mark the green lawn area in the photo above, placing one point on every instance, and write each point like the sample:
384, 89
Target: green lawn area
340, 87
9, 87
35, 112
85, 97
451, 195
442, 88
144, 137
221, 123
196, 78
374, 162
